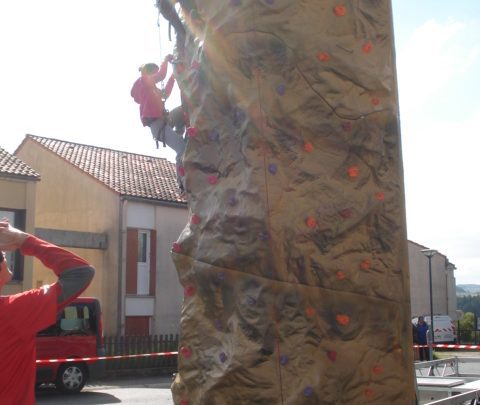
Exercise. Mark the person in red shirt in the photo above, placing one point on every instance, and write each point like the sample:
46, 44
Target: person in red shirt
152, 107
23, 315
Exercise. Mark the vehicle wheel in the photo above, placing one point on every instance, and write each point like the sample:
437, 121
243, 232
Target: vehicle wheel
71, 378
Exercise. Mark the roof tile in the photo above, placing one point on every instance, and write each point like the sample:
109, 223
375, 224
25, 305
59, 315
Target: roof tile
12, 166
128, 174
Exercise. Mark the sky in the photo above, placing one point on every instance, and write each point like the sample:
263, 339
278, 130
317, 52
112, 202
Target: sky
67, 68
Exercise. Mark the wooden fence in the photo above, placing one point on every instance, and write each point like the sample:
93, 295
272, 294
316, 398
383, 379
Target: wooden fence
123, 345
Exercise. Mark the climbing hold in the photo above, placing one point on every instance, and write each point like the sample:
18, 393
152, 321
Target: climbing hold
272, 168
176, 247
378, 369
367, 47
341, 275
186, 352
281, 89
375, 101
368, 392
353, 171
308, 147
192, 132
214, 136
181, 171
310, 311
283, 360
212, 179
340, 10
223, 357
311, 222
380, 196
342, 319
323, 56
347, 126
365, 264
189, 291
264, 235
218, 324
308, 391
332, 356
232, 200
251, 301
195, 219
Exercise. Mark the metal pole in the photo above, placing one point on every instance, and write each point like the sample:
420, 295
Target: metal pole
432, 330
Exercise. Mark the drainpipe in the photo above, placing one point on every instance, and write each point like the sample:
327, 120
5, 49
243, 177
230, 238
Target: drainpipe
120, 295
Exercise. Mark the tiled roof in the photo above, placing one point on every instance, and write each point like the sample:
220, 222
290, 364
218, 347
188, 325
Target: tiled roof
11, 166
128, 174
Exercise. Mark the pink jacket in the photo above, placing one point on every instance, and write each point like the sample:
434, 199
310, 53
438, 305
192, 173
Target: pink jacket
149, 96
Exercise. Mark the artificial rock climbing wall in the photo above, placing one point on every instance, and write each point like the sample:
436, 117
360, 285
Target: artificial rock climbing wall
294, 261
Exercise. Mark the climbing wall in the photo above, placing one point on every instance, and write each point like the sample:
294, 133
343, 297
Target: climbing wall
294, 260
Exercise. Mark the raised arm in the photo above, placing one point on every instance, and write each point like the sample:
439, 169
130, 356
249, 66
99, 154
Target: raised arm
74, 273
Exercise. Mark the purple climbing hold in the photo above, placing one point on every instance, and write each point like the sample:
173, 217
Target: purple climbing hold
272, 168
281, 89
218, 324
251, 301
269, 1
223, 357
308, 391
214, 136
236, 2
264, 235
232, 200
283, 360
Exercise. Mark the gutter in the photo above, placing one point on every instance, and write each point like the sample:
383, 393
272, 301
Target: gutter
121, 236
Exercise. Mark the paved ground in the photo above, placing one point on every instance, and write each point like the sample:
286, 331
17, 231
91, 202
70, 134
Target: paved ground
131, 391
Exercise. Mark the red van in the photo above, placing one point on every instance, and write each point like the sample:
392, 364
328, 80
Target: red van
77, 333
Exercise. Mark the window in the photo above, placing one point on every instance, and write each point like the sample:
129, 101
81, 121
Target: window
14, 259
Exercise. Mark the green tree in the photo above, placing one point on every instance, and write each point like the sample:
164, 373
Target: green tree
467, 325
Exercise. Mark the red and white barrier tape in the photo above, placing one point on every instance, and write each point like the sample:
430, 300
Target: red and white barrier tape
91, 359
450, 346
165, 354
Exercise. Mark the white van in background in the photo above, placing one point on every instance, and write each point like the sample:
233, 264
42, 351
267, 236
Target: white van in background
445, 329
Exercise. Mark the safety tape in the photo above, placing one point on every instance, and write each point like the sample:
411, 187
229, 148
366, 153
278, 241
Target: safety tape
166, 354
92, 359
450, 346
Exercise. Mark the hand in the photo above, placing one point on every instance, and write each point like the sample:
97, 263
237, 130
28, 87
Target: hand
169, 57
10, 237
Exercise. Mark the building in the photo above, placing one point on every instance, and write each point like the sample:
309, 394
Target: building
18, 184
122, 212
444, 298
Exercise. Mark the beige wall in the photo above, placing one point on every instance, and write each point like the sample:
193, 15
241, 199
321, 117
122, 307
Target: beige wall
20, 194
68, 199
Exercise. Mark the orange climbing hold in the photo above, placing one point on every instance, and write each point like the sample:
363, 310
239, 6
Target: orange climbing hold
367, 47
342, 319
365, 264
311, 222
340, 10
341, 275
308, 147
323, 56
310, 311
353, 171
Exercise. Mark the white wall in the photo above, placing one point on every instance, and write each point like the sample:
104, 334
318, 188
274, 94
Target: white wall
443, 284
168, 221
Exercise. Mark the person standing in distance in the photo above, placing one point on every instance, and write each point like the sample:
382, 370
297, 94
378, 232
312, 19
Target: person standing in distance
23, 315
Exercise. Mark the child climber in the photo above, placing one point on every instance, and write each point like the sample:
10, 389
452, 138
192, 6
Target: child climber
152, 107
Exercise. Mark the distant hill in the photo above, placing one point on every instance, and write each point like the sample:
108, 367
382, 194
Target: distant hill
468, 289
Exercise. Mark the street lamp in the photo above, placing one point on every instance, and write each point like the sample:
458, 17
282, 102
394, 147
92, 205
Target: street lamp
430, 253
